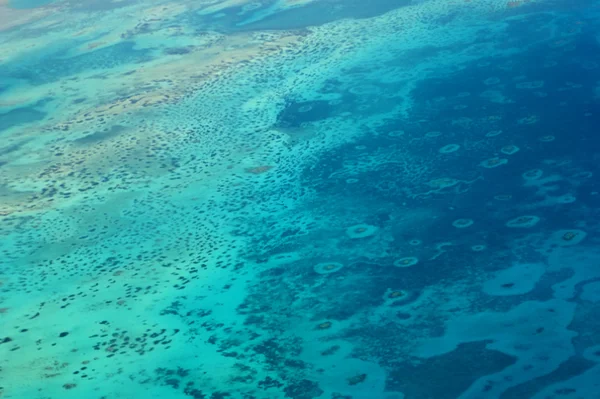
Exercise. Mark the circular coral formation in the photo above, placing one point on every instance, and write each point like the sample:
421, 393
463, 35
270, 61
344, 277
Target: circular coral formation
324, 326
478, 248
493, 162
305, 108
396, 297
567, 238
547, 139
462, 223
443, 182
327, 267
415, 242
284, 258
396, 133
257, 170
509, 149
361, 231
447, 149
533, 174
396, 294
536, 84
566, 199
351, 181
503, 197
406, 262
434, 134
365, 89
251, 7
528, 120
493, 133
525, 221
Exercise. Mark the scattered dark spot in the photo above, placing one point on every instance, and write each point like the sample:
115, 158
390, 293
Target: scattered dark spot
177, 50
357, 379
269, 383
303, 389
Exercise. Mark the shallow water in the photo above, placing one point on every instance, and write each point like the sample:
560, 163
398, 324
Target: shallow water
300, 199
28, 4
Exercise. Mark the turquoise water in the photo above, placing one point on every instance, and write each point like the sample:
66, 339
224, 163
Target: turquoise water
28, 4
306, 200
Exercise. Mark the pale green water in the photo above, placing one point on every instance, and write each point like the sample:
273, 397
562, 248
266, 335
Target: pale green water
27, 4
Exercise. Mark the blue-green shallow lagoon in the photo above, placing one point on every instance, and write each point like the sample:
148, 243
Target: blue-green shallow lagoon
306, 200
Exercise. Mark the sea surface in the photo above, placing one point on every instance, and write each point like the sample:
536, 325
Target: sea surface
306, 199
